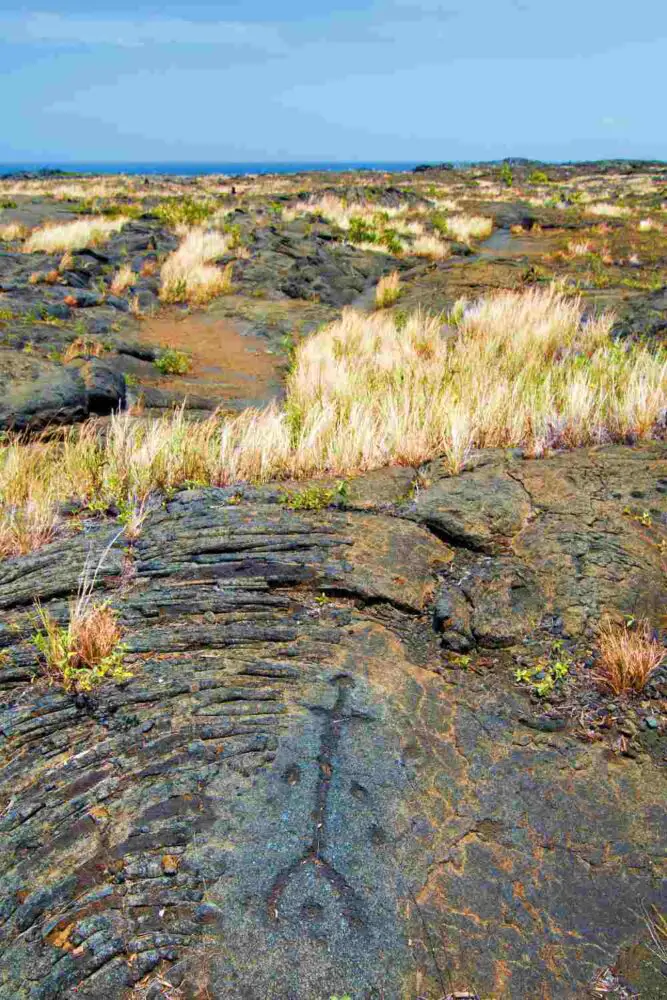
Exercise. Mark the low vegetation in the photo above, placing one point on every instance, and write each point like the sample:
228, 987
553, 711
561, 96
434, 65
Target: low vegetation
27, 527
73, 235
173, 362
187, 274
469, 227
11, 231
627, 657
84, 653
87, 650
524, 370
388, 290
123, 279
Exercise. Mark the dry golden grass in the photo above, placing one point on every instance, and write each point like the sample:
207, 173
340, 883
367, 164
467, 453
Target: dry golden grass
388, 290
627, 657
12, 231
73, 235
524, 370
608, 210
341, 211
187, 274
123, 279
469, 227
579, 248
430, 246
27, 528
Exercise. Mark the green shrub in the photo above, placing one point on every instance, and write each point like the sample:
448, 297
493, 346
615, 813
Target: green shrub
172, 362
506, 175
538, 177
183, 211
360, 231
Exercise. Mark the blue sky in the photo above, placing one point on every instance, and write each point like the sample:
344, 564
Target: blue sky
317, 80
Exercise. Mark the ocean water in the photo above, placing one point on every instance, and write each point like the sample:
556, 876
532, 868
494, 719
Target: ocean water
193, 169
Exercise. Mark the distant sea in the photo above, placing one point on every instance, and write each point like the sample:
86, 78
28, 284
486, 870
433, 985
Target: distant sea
194, 169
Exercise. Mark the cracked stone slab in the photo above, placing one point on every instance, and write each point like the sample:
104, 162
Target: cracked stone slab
291, 798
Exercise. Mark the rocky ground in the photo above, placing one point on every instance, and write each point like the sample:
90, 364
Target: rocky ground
323, 778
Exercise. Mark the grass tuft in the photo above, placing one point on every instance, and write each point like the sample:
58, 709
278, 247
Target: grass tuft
388, 290
88, 650
465, 228
187, 274
73, 235
627, 657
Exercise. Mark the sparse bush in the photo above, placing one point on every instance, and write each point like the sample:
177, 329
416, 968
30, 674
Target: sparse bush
173, 362
360, 231
310, 498
538, 177
627, 657
506, 175
184, 212
388, 290
88, 650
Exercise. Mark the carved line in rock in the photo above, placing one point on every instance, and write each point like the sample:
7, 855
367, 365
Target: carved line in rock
314, 856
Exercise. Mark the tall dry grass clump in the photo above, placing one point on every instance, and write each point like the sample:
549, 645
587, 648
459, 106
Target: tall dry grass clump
73, 235
187, 275
465, 228
608, 210
522, 370
123, 279
387, 290
11, 231
627, 657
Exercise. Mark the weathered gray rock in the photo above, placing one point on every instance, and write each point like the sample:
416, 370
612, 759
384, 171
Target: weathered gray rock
37, 392
294, 796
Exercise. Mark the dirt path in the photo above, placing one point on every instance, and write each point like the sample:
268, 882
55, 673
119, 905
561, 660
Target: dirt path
229, 368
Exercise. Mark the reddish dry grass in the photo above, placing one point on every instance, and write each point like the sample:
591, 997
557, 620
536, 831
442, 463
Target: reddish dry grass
627, 657
82, 347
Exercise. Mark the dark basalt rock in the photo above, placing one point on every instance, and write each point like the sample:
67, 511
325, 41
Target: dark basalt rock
36, 392
295, 795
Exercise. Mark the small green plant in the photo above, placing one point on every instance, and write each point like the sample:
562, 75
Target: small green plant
538, 177
547, 675
311, 498
360, 231
390, 239
439, 222
172, 362
316, 497
506, 175
7, 203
